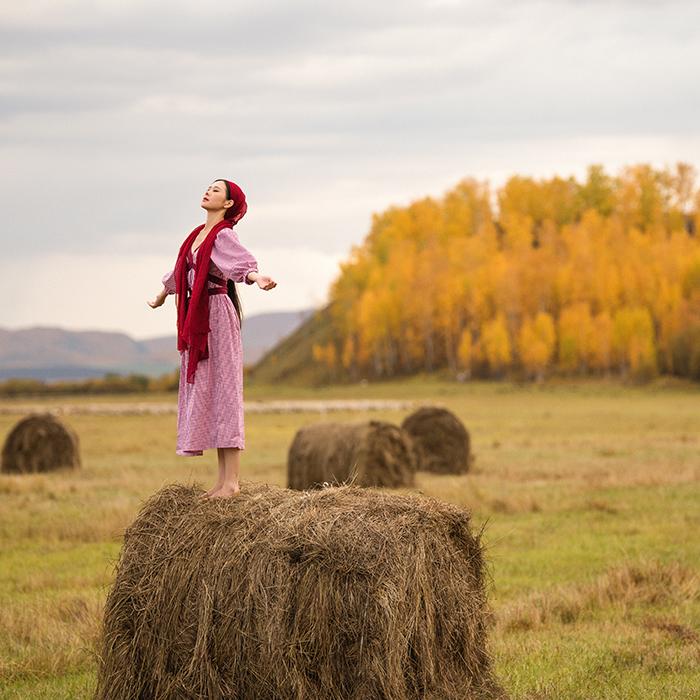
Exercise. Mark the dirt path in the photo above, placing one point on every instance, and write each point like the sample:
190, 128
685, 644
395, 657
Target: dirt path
145, 407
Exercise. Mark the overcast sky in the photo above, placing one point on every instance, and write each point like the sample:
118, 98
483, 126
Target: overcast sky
116, 115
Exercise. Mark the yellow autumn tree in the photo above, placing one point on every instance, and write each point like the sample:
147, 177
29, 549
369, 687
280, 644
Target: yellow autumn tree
536, 343
601, 355
576, 337
464, 352
325, 354
633, 341
495, 343
447, 282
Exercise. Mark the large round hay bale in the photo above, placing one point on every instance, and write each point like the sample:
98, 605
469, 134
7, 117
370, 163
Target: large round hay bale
40, 442
340, 593
440, 440
371, 453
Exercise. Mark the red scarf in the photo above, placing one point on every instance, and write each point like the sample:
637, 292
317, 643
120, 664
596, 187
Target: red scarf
193, 309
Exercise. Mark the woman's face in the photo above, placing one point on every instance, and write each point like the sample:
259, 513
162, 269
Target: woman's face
215, 197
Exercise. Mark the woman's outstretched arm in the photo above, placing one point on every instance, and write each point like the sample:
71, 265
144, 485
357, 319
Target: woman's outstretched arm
236, 261
264, 282
168, 288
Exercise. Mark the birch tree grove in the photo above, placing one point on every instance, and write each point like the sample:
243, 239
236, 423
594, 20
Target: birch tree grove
545, 277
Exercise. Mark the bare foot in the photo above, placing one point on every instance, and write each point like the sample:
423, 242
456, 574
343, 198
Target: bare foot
226, 491
212, 490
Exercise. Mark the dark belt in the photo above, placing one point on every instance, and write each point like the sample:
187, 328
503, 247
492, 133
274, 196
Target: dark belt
217, 290
222, 289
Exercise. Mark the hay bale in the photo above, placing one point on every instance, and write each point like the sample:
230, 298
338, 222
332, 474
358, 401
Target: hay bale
371, 453
40, 442
341, 593
440, 440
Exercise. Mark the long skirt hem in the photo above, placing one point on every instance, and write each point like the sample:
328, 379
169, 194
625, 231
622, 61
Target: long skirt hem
197, 453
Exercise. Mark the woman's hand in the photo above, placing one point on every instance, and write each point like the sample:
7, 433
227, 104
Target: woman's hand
265, 282
158, 301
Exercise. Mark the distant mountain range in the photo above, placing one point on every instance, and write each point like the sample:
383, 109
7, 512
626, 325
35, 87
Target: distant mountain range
52, 353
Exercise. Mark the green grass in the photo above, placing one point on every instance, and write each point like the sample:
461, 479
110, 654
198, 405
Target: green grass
588, 493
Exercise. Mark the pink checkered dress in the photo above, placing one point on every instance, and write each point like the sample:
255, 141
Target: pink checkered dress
210, 411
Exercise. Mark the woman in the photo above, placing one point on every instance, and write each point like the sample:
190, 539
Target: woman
210, 396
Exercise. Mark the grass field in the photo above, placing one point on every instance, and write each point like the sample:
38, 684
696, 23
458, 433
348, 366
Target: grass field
588, 493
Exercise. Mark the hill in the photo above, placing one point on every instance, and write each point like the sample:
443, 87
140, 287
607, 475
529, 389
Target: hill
291, 360
52, 353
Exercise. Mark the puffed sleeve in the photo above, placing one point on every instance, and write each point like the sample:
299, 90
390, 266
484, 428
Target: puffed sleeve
232, 258
169, 282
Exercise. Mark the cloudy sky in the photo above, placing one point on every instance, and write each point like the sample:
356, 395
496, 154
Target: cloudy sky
116, 115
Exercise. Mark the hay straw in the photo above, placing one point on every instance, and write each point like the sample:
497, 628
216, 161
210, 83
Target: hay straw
440, 440
343, 593
40, 442
371, 453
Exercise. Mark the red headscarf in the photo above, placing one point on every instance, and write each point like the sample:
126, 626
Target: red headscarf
193, 310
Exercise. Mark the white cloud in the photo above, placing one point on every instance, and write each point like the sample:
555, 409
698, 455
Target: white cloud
116, 114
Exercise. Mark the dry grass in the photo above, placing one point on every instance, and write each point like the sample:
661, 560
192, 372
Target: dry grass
673, 629
626, 586
568, 480
61, 632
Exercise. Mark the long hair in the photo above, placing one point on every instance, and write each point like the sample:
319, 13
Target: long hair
233, 296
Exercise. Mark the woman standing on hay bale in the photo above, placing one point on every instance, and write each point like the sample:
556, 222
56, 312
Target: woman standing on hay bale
210, 395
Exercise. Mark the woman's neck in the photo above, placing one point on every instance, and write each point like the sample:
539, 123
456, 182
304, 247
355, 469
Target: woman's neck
213, 218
